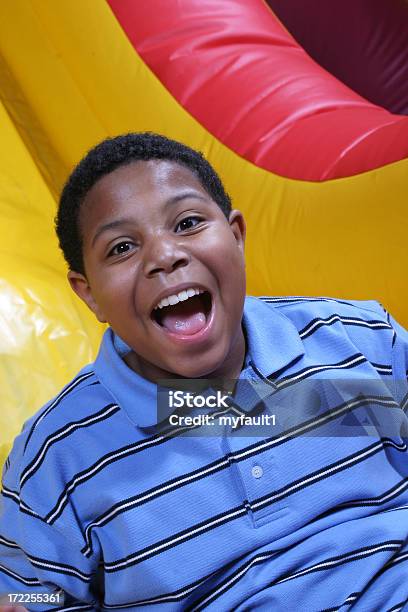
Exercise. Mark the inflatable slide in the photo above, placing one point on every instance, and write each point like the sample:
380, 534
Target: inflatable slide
301, 110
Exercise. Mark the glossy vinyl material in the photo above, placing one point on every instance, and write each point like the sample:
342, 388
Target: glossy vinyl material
237, 70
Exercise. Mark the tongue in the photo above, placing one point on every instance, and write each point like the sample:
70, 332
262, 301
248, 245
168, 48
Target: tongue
186, 317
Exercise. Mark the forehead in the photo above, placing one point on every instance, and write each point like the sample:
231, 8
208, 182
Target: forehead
141, 178
141, 189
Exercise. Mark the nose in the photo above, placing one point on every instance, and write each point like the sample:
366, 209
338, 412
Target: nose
163, 254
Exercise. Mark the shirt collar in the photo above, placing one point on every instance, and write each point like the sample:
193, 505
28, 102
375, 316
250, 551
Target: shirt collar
272, 343
135, 394
273, 340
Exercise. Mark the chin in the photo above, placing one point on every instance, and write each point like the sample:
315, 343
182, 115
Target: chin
191, 370
194, 371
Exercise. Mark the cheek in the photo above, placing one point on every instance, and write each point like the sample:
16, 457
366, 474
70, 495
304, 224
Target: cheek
230, 258
115, 284
228, 265
223, 246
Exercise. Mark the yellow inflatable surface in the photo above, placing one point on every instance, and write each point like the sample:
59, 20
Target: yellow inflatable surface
69, 78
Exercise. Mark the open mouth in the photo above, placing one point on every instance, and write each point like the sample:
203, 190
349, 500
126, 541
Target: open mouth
187, 317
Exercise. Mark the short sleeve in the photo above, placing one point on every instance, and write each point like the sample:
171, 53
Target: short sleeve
36, 559
400, 360
400, 348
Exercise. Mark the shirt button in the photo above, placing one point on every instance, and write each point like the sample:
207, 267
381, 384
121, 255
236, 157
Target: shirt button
257, 471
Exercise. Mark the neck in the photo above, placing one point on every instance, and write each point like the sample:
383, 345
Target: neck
228, 371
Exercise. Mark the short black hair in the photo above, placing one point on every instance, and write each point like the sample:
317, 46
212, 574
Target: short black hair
111, 154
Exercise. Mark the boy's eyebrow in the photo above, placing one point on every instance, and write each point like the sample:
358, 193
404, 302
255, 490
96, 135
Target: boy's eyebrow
110, 225
185, 194
127, 221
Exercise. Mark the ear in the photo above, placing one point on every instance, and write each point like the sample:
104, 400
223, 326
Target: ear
238, 226
80, 285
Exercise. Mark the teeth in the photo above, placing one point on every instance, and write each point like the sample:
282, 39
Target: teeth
178, 297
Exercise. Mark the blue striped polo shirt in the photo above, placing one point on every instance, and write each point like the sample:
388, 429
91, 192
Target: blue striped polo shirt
110, 510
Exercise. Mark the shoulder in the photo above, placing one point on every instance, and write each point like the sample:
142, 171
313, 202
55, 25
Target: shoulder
80, 402
362, 325
78, 397
298, 307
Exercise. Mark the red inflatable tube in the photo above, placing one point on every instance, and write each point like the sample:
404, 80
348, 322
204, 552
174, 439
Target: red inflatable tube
236, 69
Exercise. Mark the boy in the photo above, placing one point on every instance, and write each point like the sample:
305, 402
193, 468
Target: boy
106, 507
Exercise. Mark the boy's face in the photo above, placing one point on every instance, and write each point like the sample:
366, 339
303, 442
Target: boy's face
150, 230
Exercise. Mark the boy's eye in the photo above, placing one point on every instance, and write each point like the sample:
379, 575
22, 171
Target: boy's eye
120, 248
188, 223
